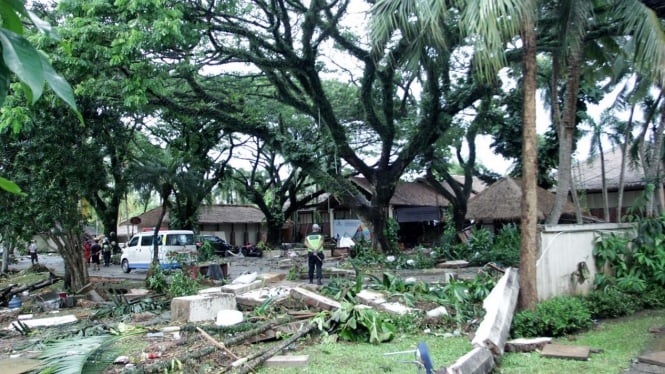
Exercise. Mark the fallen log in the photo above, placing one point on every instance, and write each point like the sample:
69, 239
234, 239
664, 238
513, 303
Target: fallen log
251, 333
30, 287
251, 365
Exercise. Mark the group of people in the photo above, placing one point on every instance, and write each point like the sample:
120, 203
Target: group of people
94, 251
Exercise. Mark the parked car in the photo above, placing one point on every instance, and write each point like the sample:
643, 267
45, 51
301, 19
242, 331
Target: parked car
219, 245
139, 250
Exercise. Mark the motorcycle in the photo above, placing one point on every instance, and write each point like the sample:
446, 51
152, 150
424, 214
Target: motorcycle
251, 251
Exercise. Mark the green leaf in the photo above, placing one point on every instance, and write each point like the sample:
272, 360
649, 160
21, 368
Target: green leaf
4, 82
24, 61
59, 85
10, 19
10, 186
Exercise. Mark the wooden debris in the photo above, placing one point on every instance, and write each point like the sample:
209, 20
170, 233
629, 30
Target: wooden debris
216, 343
286, 329
251, 365
572, 352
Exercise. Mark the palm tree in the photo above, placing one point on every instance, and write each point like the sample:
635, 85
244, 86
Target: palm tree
489, 23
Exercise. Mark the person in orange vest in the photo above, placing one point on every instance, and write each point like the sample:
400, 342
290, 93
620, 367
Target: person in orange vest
314, 244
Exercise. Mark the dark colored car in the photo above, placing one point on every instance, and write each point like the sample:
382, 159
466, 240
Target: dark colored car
219, 245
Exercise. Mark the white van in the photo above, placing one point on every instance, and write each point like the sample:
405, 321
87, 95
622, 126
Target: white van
138, 252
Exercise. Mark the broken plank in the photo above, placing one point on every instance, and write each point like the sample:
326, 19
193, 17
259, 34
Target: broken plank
526, 344
572, 352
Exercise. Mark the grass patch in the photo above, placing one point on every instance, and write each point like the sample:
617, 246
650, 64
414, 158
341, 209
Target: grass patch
362, 358
621, 340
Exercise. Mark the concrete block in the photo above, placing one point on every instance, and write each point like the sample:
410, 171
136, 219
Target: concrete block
370, 297
229, 317
477, 361
240, 288
257, 297
437, 312
286, 361
272, 277
313, 299
197, 308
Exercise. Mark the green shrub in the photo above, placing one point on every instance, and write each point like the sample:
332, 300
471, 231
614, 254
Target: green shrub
555, 317
611, 303
653, 297
183, 283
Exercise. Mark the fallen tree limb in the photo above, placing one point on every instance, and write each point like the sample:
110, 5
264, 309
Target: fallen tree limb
251, 333
250, 365
216, 343
30, 287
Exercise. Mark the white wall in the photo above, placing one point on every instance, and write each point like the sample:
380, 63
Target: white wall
562, 248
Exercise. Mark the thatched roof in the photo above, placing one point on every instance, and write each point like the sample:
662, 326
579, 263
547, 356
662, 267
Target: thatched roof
588, 174
502, 201
417, 193
214, 214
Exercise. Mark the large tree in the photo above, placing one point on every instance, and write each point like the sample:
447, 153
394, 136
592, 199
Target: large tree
289, 43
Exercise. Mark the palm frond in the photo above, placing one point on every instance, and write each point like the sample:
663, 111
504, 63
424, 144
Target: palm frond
648, 38
70, 356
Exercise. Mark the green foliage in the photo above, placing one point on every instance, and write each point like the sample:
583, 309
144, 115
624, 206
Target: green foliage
205, 252
390, 232
359, 324
156, 280
653, 297
483, 247
611, 303
635, 260
182, 283
555, 317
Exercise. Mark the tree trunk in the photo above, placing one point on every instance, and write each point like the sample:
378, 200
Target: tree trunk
606, 201
70, 248
576, 199
528, 250
653, 170
566, 132
622, 172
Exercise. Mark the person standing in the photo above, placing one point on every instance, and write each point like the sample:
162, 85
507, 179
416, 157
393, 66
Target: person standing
314, 244
32, 251
95, 251
106, 252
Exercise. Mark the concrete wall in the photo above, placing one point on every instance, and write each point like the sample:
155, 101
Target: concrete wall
563, 250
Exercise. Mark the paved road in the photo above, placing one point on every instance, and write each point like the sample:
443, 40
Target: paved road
237, 266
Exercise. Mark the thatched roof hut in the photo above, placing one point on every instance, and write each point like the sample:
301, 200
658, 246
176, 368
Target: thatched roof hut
502, 201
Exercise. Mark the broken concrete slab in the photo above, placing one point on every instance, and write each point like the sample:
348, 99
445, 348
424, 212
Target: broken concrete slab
526, 344
396, 308
572, 352
240, 288
313, 299
229, 317
653, 358
198, 308
371, 297
287, 361
478, 361
378, 300
499, 308
259, 296
437, 312
455, 264
245, 278
272, 277
46, 322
